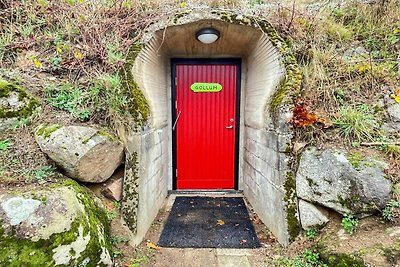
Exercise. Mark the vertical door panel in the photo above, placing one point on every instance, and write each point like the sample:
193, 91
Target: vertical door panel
205, 149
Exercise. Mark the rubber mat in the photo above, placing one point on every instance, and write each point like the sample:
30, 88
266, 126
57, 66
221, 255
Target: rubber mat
206, 222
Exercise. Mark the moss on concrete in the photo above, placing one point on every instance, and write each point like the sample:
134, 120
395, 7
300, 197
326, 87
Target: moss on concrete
290, 86
130, 199
138, 106
30, 105
291, 206
16, 252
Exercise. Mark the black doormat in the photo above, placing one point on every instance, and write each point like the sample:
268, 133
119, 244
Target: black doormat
206, 222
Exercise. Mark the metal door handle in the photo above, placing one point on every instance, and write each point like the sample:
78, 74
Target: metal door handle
176, 120
229, 127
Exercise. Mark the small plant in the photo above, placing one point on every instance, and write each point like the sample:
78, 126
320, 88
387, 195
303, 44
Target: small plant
349, 223
138, 261
42, 173
309, 258
69, 98
358, 123
5, 145
118, 239
117, 253
391, 211
311, 233
111, 215
20, 123
117, 205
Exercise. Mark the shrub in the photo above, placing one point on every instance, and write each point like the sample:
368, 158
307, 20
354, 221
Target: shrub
349, 223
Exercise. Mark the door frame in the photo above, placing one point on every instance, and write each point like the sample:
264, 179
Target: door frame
209, 61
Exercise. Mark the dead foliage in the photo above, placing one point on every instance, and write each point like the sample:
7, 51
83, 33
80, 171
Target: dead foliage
303, 116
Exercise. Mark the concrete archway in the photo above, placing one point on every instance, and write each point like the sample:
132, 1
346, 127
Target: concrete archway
269, 77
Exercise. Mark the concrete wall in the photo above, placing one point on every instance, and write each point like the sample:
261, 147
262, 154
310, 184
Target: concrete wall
151, 145
263, 163
262, 178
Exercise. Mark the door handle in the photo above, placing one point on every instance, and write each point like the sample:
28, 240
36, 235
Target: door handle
229, 127
176, 120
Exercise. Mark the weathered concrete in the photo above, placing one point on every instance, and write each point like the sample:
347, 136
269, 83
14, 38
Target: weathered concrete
146, 173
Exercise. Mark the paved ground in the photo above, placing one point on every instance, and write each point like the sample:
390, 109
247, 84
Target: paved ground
189, 257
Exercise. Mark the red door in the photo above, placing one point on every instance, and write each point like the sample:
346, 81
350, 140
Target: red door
206, 125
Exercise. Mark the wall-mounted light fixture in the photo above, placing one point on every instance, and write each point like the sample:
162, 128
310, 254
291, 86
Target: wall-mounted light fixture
207, 35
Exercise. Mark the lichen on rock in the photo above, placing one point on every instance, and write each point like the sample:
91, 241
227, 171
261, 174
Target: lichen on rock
66, 229
15, 103
327, 177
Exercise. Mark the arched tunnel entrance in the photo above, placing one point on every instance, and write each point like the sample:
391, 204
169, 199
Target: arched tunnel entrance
257, 67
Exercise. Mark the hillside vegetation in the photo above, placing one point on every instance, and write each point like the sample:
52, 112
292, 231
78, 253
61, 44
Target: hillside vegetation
70, 54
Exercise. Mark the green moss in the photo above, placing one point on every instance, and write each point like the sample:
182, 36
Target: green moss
138, 106
180, 15
291, 205
310, 182
290, 86
107, 135
102, 133
45, 131
16, 252
26, 110
355, 160
130, 195
341, 260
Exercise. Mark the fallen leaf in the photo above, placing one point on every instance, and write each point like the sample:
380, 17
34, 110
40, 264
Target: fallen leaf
243, 241
298, 146
396, 95
78, 54
110, 206
256, 220
152, 246
220, 222
303, 116
38, 64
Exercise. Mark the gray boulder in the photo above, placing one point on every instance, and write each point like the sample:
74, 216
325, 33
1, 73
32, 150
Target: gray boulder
15, 104
327, 177
394, 112
61, 226
84, 153
312, 216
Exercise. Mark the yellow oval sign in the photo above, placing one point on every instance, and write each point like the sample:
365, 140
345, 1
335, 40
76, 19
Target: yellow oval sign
206, 87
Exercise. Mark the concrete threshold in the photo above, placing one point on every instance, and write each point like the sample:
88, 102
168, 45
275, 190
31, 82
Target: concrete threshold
172, 194
206, 192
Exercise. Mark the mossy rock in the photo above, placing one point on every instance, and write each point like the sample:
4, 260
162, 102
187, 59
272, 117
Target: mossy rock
60, 226
84, 153
341, 260
15, 103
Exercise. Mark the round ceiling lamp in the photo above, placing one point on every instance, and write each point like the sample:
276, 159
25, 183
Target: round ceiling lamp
207, 35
